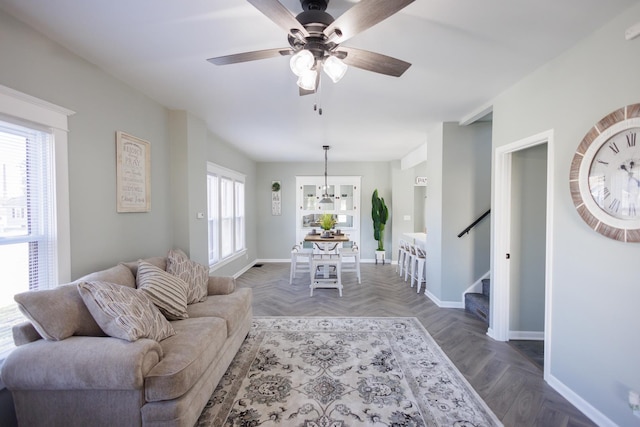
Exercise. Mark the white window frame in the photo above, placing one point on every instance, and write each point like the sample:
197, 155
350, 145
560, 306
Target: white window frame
20, 107
236, 219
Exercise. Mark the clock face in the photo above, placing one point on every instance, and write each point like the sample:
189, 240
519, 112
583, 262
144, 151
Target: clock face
614, 176
605, 175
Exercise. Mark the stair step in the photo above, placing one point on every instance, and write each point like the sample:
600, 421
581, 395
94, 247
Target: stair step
477, 304
486, 287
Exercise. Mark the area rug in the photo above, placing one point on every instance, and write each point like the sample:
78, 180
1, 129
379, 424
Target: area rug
343, 372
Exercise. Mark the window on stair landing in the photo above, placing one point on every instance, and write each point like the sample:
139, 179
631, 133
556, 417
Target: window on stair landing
27, 220
226, 218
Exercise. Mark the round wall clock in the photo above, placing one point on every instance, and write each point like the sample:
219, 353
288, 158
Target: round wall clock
605, 175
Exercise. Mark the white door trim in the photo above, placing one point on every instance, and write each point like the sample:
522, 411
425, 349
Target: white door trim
501, 224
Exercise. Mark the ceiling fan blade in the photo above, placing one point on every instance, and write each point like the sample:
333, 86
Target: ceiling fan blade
361, 16
372, 61
250, 56
280, 15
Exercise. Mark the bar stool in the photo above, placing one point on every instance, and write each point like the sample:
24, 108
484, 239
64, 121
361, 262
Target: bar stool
300, 261
418, 262
403, 256
350, 260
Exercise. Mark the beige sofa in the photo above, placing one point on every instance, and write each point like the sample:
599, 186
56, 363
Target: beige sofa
89, 378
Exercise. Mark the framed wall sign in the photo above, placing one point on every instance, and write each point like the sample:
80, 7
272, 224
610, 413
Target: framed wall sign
276, 202
133, 173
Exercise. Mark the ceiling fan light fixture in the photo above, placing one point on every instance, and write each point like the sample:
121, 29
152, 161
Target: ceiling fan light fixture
334, 68
307, 80
302, 62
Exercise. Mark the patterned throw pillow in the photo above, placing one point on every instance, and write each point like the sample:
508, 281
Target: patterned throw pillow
124, 312
195, 275
166, 291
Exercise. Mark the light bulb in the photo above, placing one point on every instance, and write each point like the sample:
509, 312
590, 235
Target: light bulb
307, 80
334, 68
301, 62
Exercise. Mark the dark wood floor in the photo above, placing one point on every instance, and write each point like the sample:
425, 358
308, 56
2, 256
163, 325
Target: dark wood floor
509, 383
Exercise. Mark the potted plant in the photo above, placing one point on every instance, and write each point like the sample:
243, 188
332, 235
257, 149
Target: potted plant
379, 214
327, 221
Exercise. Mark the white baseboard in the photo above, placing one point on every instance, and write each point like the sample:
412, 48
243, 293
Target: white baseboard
476, 287
526, 335
585, 407
444, 304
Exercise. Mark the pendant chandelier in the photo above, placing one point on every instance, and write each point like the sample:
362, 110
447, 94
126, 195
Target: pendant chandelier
325, 195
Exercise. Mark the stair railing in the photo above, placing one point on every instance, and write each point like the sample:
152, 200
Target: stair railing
474, 223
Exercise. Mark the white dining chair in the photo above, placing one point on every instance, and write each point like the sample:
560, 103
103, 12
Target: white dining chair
350, 260
300, 261
326, 273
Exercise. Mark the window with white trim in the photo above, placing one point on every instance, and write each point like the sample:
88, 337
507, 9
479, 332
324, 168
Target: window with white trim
28, 254
226, 214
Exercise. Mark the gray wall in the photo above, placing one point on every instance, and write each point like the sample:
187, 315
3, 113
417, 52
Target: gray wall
100, 237
466, 195
458, 192
404, 203
528, 243
276, 234
595, 280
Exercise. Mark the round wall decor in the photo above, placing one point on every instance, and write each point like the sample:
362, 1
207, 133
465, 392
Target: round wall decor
605, 175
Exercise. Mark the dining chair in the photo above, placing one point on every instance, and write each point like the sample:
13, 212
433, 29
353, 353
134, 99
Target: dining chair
326, 273
350, 260
300, 261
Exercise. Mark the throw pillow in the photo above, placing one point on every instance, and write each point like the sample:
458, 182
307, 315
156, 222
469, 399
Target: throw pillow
196, 275
58, 313
124, 312
166, 291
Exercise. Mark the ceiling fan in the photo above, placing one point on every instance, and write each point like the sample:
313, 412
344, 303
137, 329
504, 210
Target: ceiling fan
315, 37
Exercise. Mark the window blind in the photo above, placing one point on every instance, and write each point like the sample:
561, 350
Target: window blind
27, 219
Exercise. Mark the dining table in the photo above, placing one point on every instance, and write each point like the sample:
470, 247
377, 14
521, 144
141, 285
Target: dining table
326, 242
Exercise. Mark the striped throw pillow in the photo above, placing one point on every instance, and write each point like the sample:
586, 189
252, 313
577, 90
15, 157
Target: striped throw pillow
166, 291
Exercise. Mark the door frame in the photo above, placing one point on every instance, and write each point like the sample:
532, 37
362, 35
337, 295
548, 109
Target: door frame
501, 224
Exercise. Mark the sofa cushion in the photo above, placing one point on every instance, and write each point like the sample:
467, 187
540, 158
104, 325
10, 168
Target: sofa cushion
166, 291
58, 313
119, 274
195, 275
123, 312
232, 308
158, 261
187, 355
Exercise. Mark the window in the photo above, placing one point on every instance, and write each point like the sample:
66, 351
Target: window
27, 219
34, 202
225, 189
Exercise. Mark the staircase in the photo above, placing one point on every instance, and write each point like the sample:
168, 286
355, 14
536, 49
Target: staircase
478, 304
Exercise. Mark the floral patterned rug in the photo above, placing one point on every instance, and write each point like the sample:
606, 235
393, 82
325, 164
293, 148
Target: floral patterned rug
343, 372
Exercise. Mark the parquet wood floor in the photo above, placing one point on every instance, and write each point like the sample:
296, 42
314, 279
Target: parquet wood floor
509, 383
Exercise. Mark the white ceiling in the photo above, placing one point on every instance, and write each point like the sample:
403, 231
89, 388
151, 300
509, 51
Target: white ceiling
464, 53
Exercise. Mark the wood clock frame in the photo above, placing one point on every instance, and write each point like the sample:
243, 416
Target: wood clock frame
617, 228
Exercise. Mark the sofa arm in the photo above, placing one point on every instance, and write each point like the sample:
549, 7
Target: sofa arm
221, 285
81, 363
24, 333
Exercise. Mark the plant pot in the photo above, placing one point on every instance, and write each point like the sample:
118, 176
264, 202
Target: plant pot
380, 256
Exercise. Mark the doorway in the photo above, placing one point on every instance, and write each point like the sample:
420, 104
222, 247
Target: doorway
510, 317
